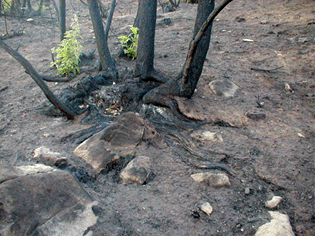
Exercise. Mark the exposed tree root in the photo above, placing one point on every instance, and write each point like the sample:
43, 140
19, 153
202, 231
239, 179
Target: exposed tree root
155, 76
189, 153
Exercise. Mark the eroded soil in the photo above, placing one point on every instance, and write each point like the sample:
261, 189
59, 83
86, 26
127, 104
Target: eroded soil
273, 156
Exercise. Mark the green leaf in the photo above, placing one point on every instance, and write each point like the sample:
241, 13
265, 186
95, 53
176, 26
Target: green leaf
69, 51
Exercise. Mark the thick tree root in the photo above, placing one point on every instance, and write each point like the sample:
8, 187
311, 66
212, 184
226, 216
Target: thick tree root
189, 153
213, 166
157, 97
154, 76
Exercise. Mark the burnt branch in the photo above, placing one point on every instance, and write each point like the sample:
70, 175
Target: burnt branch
110, 17
196, 40
38, 79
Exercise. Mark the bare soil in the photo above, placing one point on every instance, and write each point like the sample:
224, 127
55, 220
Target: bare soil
273, 156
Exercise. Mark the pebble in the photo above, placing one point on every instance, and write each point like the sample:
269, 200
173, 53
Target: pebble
224, 88
44, 155
274, 202
255, 115
213, 179
206, 208
137, 171
247, 191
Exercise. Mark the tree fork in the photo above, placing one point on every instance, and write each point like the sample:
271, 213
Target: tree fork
197, 38
185, 83
39, 81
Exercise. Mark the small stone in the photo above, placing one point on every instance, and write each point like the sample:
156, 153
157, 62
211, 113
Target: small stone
44, 155
301, 135
167, 21
264, 22
240, 19
199, 177
248, 40
255, 115
288, 88
206, 208
224, 88
137, 171
213, 179
247, 191
274, 202
278, 226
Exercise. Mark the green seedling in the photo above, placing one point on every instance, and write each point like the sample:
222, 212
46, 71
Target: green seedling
130, 43
69, 51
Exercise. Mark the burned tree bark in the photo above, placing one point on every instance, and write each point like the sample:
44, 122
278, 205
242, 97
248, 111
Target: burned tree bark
37, 78
106, 60
62, 17
145, 60
185, 83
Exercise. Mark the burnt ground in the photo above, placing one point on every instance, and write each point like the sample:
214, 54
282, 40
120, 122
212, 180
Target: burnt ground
273, 156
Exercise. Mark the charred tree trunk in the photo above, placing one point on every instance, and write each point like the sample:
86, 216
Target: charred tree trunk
188, 85
62, 17
106, 60
137, 19
37, 78
145, 60
110, 18
147, 13
185, 83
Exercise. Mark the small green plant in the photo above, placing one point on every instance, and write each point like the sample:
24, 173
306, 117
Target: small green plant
69, 51
130, 43
7, 6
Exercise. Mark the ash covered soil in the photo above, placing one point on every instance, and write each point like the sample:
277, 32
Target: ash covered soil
273, 156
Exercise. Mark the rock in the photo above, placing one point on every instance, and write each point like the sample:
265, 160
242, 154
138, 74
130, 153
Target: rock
255, 115
127, 132
274, 202
248, 40
165, 21
118, 140
207, 136
288, 88
247, 191
35, 200
33, 169
206, 208
137, 171
96, 153
44, 155
213, 179
240, 19
278, 226
223, 88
